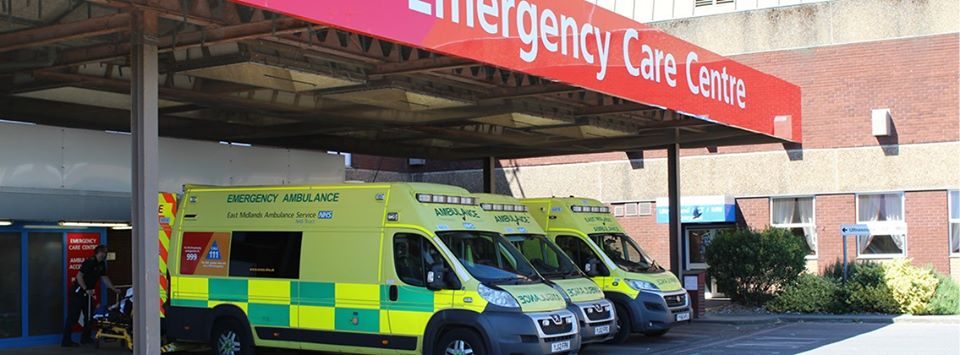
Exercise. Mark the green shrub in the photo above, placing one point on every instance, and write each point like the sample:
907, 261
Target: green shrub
751, 267
912, 287
809, 294
947, 298
865, 290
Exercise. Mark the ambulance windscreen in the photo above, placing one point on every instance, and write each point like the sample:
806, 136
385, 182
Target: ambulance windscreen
625, 253
489, 257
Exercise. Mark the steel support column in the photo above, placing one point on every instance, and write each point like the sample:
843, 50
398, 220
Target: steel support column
145, 169
490, 175
673, 191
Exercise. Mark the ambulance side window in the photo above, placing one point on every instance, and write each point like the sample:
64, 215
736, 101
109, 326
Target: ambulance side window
412, 257
264, 254
576, 249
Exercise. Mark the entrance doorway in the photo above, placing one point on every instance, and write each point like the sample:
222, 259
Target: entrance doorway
37, 261
696, 238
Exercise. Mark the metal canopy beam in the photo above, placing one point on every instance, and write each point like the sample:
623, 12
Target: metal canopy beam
39, 36
145, 175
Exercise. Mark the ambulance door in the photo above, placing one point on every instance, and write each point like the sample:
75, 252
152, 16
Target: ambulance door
409, 302
583, 255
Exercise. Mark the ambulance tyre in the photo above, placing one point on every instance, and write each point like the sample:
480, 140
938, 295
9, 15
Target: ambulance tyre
460, 341
656, 333
624, 326
230, 337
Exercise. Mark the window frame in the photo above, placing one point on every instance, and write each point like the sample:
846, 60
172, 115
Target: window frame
816, 251
952, 222
903, 208
423, 261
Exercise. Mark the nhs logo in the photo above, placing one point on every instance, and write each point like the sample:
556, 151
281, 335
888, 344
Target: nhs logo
214, 253
325, 215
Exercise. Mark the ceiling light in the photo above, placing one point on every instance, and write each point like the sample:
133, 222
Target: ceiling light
93, 224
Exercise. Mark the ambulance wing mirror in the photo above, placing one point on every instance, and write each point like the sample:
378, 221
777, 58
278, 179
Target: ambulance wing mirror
440, 278
593, 268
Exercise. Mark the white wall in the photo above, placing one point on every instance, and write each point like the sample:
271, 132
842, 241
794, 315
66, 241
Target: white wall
52, 158
662, 10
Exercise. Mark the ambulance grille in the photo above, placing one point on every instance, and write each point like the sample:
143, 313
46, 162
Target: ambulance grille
676, 300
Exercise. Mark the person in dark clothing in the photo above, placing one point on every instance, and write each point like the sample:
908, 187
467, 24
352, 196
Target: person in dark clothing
91, 271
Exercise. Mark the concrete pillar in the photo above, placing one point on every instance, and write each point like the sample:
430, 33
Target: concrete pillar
673, 192
144, 131
490, 175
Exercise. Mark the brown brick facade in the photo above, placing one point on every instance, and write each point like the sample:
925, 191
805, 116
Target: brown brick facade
925, 211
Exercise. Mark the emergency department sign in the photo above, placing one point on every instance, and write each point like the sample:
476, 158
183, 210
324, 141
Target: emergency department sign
577, 43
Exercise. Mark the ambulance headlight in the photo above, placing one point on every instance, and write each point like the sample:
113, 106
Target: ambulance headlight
641, 285
497, 297
562, 293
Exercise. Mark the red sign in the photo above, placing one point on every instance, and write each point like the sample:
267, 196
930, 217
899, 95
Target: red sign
80, 247
574, 42
205, 254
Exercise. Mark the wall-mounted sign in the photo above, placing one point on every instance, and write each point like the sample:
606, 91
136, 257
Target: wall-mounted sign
700, 209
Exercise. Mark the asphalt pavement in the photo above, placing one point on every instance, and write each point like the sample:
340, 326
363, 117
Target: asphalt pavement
793, 338
718, 338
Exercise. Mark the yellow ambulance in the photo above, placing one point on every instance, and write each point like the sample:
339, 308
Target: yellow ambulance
359, 268
647, 298
596, 314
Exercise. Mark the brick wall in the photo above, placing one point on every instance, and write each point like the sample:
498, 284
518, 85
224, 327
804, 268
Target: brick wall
927, 229
831, 212
916, 78
653, 237
753, 212
926, 219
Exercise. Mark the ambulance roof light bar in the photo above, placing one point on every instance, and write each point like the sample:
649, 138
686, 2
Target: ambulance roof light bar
590, 209
451, 200
503, 207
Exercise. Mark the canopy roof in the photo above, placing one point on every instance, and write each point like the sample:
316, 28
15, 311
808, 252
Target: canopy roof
394, 78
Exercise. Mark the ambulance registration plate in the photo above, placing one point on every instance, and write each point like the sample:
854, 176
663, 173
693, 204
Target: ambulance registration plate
603, 329
560, 346
683, 316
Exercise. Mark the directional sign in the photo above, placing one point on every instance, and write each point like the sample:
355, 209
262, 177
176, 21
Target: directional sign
877, 228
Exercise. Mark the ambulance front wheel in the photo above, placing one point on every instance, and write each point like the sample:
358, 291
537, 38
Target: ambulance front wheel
459, 341
230, 337
624, 326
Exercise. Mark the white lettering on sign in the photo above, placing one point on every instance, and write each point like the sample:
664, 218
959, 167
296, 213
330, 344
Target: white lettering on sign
874, 228
543, 28
536, 29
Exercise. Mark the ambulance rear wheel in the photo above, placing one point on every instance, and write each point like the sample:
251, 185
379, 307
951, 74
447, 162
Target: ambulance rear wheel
459, 341
230, 337
624, 326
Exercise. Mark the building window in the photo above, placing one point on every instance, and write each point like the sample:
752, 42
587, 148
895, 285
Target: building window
955, 223
880, 208
701, 3
797, 215
618, 210
631, 209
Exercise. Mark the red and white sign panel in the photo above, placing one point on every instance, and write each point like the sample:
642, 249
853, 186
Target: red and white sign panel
574, 42
80, 247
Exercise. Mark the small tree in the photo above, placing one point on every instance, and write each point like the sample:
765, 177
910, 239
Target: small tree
752, 267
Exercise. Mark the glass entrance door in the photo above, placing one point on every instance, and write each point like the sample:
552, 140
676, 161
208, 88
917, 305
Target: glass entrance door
45, 280
10, 282
696, 239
